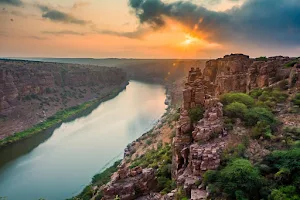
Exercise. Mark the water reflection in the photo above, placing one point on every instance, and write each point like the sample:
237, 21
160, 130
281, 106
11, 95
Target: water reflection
57, 164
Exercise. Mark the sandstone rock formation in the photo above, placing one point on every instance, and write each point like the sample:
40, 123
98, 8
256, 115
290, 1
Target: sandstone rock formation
32, 91
130, 184
197, 147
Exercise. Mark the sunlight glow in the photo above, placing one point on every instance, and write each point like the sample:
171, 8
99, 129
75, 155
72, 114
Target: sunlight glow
189, 40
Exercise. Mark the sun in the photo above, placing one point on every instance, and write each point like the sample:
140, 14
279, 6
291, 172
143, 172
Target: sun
189, 40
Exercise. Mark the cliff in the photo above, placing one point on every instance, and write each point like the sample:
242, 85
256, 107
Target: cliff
208, 135
30, 91
198, 146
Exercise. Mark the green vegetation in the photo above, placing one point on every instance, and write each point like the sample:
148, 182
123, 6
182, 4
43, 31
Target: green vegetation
196, 114
268, 97
237, 97
238, 178
54, 120
277, 177
161, 161
252, 113
262, 58
98, 180
296, 100
291, 63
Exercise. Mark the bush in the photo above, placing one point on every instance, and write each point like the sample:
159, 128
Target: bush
262, 128
285, 193
262, 58
237, 97
256, 114
235, 110
268, 97
296, 100
286, 166
240, 175
291, 63
196, 114
239, 180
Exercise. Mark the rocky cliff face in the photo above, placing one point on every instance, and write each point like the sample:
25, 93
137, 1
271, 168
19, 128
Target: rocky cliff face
197, 147
33, 91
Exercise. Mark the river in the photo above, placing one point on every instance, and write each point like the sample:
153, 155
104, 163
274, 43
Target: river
57, 164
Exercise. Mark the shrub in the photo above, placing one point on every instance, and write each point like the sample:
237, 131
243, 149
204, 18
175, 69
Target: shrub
237, 97
285, 165
240, 175
296, 100
210, 176
262, 58
228, 123
239, 180
256, 93
262, 128
196, 114
285, 193
235, 110
256, 114
291, 63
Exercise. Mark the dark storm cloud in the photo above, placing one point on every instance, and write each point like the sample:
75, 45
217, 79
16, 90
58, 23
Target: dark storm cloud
263, 21
59, 16
12, 2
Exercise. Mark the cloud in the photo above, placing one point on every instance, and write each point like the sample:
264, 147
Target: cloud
260, 21
59, 16
36, 37
139, 33
80, 4
65, 32
12, 2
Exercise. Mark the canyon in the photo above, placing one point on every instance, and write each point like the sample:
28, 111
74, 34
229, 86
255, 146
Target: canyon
31, 91
199, 146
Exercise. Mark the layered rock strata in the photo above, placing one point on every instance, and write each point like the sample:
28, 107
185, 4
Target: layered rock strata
32, 91
198, 147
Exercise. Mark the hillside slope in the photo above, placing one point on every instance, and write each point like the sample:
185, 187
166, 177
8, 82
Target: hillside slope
31, 91
235, 114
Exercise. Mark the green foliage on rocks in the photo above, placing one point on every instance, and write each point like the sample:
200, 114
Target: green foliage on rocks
232, 97
161, 160
98, 180
296, 100
238, 179
196, 113
245, 107
291, 63
262, 58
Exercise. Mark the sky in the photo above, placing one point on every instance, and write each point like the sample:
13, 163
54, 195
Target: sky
180, 29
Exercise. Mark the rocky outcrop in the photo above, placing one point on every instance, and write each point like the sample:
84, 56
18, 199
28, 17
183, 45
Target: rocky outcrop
129, 184
32, 91
198, 147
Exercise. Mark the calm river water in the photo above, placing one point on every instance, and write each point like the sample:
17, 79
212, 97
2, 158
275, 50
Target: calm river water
57, 164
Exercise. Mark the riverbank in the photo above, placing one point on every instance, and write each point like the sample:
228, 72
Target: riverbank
161, 134
62, 116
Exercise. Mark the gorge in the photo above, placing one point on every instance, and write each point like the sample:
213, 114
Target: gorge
220, 128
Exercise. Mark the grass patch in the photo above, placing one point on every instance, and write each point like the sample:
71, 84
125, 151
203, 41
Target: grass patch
54, 120
161, 161
98, 180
